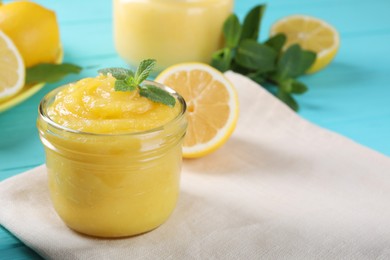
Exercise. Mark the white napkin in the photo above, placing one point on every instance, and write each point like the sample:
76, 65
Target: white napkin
281, 188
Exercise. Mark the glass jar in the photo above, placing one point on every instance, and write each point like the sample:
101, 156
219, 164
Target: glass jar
113, 185
170, 31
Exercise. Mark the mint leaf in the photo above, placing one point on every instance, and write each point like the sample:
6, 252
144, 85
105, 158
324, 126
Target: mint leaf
253, 55
130, 81
121, 85
252, 21
232, 31
143, 70
222, 59
257, 77
49, 73
118, 73
293, 86
295, 62
298, 87
157, 95
288, 99
276, 42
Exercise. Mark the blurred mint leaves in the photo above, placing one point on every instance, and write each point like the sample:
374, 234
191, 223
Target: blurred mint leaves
49, 73
267, 63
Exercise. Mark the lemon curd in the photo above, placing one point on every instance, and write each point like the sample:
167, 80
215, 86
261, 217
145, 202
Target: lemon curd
92, 105
171, 31
113, 158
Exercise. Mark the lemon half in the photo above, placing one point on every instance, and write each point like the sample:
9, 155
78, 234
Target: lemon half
312, 34
212, 105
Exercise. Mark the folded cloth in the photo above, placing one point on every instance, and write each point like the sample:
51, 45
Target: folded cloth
281, 187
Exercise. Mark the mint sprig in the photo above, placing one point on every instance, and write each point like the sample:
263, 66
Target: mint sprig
127, 80
264, 62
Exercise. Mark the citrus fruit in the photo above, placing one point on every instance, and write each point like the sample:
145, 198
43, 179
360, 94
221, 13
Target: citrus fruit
11, 68
212, 105
312, 34
33, 29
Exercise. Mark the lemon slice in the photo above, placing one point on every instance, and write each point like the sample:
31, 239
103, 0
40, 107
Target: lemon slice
11, 68
312, 34
212, 105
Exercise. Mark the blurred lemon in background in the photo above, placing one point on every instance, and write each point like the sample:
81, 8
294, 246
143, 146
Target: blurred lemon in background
33, 29
311, 34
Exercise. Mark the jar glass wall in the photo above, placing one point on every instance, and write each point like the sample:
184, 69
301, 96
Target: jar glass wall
113, 185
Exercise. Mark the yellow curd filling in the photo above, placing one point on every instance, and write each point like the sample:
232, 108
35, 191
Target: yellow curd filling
118, 174
92, 105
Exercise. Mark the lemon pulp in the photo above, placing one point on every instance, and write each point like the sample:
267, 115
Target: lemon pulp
11, 68
212, 106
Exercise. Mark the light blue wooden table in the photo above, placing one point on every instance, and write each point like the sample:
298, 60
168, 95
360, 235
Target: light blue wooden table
351, 96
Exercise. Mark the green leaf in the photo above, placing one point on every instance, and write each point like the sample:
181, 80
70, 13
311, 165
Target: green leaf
222, 59
295, 62
118, 73
49, 73
121, 85
256, 56
131, 82
298, 87
239, 69
276, 42
252, 22
232, 31
265, 63
157, 95
288, 99
143, 70
257, 77
293, 86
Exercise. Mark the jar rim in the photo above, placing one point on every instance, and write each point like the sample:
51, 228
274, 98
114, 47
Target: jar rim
42, 111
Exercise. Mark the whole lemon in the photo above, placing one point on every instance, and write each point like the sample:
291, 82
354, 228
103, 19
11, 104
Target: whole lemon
33, 29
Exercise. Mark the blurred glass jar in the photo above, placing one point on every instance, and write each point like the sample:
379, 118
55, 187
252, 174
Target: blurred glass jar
170, 31
113, 185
